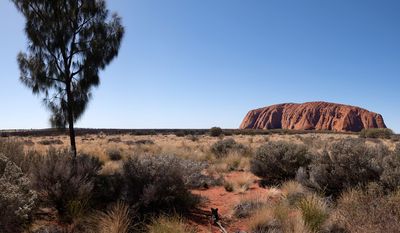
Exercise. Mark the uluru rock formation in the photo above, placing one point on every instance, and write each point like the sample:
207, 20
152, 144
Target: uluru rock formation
312, 116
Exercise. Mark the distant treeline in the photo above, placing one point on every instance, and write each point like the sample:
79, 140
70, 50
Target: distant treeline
178, 132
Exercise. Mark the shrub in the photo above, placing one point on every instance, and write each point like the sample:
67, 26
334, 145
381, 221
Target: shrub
14, 151
107, 189
17, 200
221, 148
368, 210
193, 176
279, 161
314, 212
115, 220
277, 219
48, 142
65, 182
247, 207
390, 177
348, 163
383, 133
156, 184
114, 154
215, 131
293, 192
166, 224
115, 140
229, 186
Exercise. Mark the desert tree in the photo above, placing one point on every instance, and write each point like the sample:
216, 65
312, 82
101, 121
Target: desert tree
69, 42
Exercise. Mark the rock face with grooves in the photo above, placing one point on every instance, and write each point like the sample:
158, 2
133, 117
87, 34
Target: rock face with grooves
312, 116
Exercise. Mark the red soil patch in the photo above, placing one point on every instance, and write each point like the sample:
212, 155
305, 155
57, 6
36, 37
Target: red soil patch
218, 197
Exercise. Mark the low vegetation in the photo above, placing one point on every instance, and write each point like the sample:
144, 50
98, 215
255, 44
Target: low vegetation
348, 184
376, 133
276, 162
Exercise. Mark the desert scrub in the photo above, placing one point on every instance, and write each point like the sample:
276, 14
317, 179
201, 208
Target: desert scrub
368, 210
247, 207
276, 219
376, 133
314, 211
17, 200
165, 224
156, 184
390, 177
293, 192
115, 220
48, 142
65, 182
221, 148
215, 131
279, 161
229, 187
114, 154
347, 163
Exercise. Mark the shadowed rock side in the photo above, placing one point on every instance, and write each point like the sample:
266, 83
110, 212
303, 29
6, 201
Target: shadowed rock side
312, 116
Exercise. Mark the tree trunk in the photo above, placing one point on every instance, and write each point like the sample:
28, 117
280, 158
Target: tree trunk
71, 121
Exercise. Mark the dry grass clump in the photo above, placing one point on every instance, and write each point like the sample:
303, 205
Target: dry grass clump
114, 154
368, 211
293, 191
276, 219
314, 211
248, 206
165, 224
115, 220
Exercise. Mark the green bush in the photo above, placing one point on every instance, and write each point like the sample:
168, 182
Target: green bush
156, 184
221, 148
347, 163
216, 131
276, 162
17, 200
65, 182
383, 133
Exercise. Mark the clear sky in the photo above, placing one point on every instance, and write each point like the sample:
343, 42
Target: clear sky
198, 64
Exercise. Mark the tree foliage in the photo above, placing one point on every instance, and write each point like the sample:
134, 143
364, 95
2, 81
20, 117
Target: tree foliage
70, 41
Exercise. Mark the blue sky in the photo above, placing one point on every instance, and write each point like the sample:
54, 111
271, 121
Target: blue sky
198, 64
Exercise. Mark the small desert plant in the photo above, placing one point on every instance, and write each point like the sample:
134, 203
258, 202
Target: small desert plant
115, 220
221, 148
156, 184
347, 163
115, 140
293, 192
229, 187
48, 142
277, 219
314, 211
107, 189
165, 224
390, 177
17, 200
368, 210
114, 154
215, 131
14, 151
383, 133
279, 161
247, 207
66, 182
